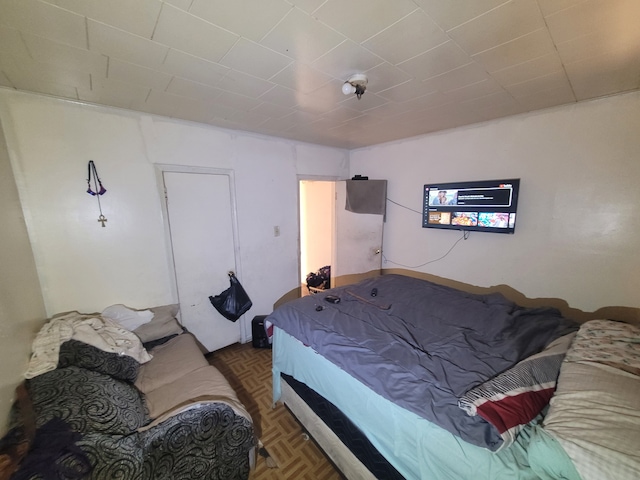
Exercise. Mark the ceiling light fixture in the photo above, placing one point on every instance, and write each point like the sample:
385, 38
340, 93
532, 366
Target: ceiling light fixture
356, 84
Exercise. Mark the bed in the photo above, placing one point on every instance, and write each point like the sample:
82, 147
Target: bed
435, 382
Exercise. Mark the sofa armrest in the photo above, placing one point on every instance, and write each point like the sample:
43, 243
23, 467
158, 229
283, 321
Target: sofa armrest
208, 441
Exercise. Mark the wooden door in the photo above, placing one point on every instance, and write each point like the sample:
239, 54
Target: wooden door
201, 226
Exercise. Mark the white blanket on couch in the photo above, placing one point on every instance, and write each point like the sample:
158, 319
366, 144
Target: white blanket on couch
97, 331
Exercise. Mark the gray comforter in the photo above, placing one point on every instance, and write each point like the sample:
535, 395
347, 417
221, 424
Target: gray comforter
422, 345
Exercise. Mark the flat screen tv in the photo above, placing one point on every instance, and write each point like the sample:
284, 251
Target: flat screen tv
482, 206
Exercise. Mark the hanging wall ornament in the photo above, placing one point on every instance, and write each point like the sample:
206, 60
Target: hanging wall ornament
98, 190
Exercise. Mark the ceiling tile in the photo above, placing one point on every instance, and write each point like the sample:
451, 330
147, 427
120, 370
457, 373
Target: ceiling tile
270, 110
601, 43
452, 14
280, 95
203, 39
249, 57
291, 120
125, 46
410, 36
431, 64
500, 25
244, 84
560, 95
342, 114
27, 73
301, 77
362, 19
65, 56
248, 18
239, 102
46, 20
384, 76
549, 7
301, 37
497, 100
389, 109
162, 103
4, 81
308, 6
135, 74
443, 58
345, 60
194, 68
330, 93
12, 43
603, 75
476, 90
314, 104
457, 78
49, 88
366, 102
106, 91
181, 4
407, 91
546, 82
138, 17
533, 45
524, 71
187, 88
613, 17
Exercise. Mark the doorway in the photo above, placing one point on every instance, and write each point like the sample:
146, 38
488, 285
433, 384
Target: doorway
348, 241
317, 220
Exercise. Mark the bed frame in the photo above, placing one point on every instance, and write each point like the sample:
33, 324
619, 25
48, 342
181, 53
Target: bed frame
348, 464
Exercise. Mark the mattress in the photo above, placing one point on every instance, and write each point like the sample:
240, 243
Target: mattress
415, 447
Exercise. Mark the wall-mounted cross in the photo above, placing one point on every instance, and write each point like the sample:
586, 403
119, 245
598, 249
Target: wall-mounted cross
102, 219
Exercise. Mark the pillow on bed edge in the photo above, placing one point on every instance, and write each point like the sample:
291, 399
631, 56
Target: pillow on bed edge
163, 324
512, 399
126, 317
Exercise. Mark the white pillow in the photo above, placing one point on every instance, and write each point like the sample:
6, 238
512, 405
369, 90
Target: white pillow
127, 317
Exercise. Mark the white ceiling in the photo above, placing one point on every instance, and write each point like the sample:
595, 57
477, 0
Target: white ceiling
276, 67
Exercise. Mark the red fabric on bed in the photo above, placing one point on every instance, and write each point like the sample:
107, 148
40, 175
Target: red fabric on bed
516, 410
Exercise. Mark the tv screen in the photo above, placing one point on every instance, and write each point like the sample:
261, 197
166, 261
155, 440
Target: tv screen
483, 206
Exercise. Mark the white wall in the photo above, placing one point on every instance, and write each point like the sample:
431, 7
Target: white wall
578, 228
21, 305
86, 267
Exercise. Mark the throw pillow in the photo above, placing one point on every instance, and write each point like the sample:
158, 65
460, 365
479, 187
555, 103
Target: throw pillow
515, 397
127, 317
163, 324
83, 355
88, 401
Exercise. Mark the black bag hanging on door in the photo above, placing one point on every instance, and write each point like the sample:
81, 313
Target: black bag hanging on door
233, 302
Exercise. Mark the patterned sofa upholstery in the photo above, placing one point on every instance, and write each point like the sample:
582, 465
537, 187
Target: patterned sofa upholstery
95, 417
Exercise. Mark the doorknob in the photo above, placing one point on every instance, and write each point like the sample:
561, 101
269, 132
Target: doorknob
377, 251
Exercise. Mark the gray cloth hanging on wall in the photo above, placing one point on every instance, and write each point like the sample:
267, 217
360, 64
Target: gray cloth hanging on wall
367, 196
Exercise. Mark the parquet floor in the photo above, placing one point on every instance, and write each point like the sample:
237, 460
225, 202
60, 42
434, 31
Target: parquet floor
248, 370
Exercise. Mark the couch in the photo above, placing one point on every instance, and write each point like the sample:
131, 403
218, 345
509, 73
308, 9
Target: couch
110, 414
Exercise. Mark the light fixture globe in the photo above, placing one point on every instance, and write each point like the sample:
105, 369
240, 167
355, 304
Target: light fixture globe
348, 89
356, 84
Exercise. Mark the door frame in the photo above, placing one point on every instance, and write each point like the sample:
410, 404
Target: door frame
160, 168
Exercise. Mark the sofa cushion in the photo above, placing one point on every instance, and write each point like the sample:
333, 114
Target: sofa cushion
171, 361
89, 401
80, 354
202, 386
